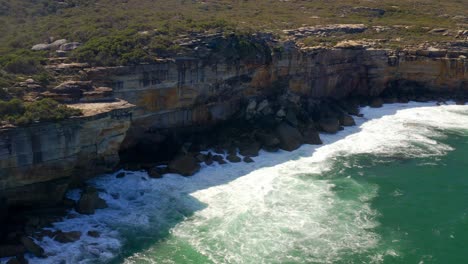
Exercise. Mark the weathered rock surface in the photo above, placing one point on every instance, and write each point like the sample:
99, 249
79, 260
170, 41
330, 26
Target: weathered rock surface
39, 162
88, 203
290, 138
32, 247
185, 165
67, 237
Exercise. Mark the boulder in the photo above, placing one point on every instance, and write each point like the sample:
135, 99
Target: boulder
376, 102
185, 165
248, 160
154, 173
219, 159
41, 46
330, 125
347, 120
90, 201
69, 46
269, 141
32, 247
233, 158
290, 138
73, 87
311, 136
249, 148
67, 237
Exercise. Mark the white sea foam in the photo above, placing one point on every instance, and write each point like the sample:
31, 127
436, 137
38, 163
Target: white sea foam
271, 211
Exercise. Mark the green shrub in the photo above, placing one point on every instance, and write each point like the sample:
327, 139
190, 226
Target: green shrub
123, 48
20, 113
23, 62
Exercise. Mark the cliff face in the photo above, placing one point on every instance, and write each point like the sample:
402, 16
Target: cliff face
194, 92
39, 162
176, 98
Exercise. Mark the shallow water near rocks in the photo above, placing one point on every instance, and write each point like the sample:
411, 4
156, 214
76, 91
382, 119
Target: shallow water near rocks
393, 189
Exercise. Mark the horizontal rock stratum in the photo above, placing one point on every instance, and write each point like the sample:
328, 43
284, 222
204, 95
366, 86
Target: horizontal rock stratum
38, 163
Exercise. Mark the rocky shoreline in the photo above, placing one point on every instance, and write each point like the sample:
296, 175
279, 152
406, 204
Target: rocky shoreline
224, 101
285, 123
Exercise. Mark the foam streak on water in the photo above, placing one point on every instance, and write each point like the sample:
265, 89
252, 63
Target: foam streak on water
273, 211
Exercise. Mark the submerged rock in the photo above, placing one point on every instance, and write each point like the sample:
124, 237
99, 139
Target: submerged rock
248, 160
233, 158
185, 165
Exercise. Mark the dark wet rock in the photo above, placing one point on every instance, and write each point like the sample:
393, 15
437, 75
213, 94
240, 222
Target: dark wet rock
347, 120
120, 175
290, 138
219, 159
93, 233
45, 233
67, 237
249, 148
11, 250
330, 125
248, 160
154, 173
32, 247
460, 102
233, 158
185, 165
351, 107
311, 136
376, 102
291, 119
268, 140
90, 201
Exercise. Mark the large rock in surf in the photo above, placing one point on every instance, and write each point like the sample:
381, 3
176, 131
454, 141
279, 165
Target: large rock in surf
90, 201
32, 247
185, 165
290, 138
67, 237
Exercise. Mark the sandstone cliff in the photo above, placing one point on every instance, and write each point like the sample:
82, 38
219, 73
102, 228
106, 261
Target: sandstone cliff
39, 162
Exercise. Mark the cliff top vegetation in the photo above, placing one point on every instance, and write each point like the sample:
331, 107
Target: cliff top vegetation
115, 32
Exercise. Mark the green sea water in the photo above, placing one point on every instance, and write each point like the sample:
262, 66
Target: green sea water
393, 189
